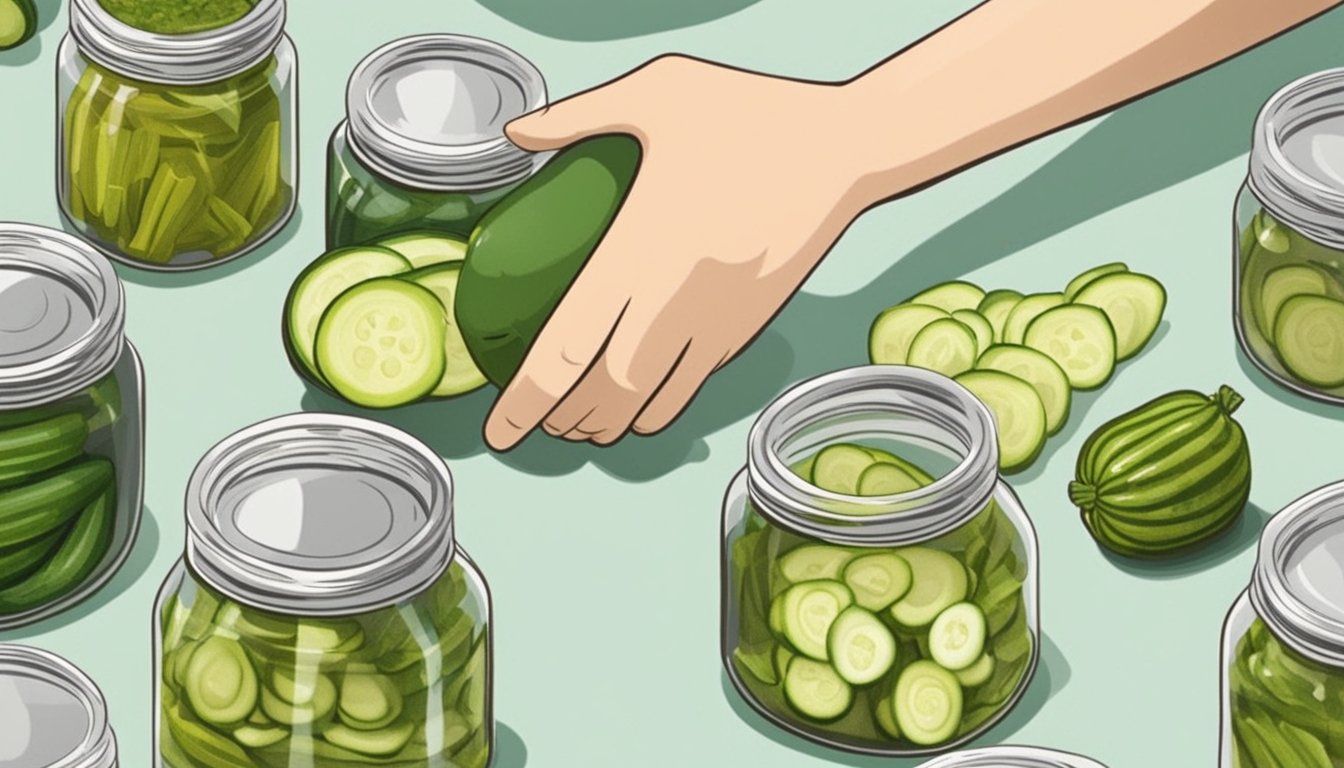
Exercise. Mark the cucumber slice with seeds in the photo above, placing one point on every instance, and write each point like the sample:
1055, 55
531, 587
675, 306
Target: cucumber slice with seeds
1080, 338
1309, 336
809, 610
815, 690
950, 296
1086, 278
1133, 304
996, 306
938, 581
878, 580
860, 646
928, 703
945, 345
957, 637
893, 330
1041, 372
1019, 415
1027, 310
984, 332
838, 468
460, 374
814, 561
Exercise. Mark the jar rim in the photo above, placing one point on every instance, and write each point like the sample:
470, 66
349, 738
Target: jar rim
194, 58
98, 748
472, 164
375, 568
1300, 199
88, 277
917, 515
1009, 756
1275, 591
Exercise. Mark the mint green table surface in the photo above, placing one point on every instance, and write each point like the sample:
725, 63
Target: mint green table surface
604, 563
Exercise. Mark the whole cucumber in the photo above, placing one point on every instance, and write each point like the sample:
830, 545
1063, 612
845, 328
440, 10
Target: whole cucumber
18, 563
28, 511
72, 563
27, 451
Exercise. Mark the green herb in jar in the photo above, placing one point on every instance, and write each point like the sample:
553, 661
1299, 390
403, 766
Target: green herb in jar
177, 17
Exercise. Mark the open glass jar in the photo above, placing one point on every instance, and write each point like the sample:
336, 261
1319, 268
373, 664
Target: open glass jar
423, 146
323, 614
1283, 643
1012, 757
53, 714
1289, 239
71, 424
901, 622
176, 151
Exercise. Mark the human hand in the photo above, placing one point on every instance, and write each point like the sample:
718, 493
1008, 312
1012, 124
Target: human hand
744, 185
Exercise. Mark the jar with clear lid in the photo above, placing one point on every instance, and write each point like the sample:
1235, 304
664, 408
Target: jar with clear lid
71, 424
879, 579
1012, 757
1289, 240
1283, 643
176, 149
323, 613
422, 149
54, 715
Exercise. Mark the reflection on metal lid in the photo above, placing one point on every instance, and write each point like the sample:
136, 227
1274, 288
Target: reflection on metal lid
1012, 757
51, 714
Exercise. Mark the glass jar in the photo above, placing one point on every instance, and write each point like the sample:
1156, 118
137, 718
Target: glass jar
1289, 240
53, 714
71, 424
323, 614
1012, 757
423, 146
177, 151
844, 616
1283, 643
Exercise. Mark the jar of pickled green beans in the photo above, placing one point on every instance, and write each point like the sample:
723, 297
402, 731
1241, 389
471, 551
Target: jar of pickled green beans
1283, 643
176, 146
422, 147
880, 580
323, 613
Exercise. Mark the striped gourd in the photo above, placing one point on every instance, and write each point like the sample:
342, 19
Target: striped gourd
1165, 477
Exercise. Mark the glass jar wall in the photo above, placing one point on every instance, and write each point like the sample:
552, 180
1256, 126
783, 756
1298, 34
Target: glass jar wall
323, 614
177, 151
1012, 757
71, 424
900, 622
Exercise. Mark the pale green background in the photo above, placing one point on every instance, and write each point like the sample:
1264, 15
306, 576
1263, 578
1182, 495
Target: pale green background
604, 563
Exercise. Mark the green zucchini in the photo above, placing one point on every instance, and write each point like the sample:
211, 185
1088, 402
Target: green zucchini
29, 511
28, 450
950, 296
77, 557
895, 329
18, 22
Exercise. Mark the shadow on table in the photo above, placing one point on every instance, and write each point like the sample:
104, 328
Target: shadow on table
1284, 395
30, 51
136, 565
510, 750
1052, 674
1243, 534
159, 279
592, 20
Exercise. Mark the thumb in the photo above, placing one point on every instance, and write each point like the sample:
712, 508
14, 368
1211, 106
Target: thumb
581, 116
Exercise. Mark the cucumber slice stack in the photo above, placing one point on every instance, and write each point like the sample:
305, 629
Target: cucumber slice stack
916, 645
375, 323
994, 342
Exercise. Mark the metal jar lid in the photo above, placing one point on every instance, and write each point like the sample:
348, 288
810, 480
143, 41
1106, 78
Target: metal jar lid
319, 515
1297, 156
1297, 587
429, 112
51, 714
1012, 757
62, 315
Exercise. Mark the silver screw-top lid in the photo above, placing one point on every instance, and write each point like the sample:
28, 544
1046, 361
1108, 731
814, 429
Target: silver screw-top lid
62, 315
1297, 156
1012, 757
319, 515
429, 112
51, 714
1298, 584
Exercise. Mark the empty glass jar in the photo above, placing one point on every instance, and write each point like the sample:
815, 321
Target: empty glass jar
899, 622
54, 716
1012, 757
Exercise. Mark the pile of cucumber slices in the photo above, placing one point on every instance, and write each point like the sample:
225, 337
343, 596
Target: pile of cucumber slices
374, 323
1023, 355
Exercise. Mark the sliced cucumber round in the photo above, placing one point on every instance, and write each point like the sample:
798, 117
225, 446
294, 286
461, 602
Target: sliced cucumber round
1080, 338
1027, 310
1085, 279
1019, 415
885, 715
1040, 371
426, 247
861, 647
950, 296
928, 703
878, 580
887, 457
945, 345
460, 374
221, 684
978, 673
996, 306
938, 581
18, 22
809, 610
814, 561
893, 330
816, 690
884, 479
369, 701
957, 637
375, 743
1283, 283
984, 332
838, 468
381, 343
1133, 304
1309, 337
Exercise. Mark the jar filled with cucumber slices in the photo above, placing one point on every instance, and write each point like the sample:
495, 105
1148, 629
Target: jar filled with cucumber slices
1289, 240
53, 715
1283, 643
422, 148
71, 424
880, 580
1012, 757
177, 140
323, 613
